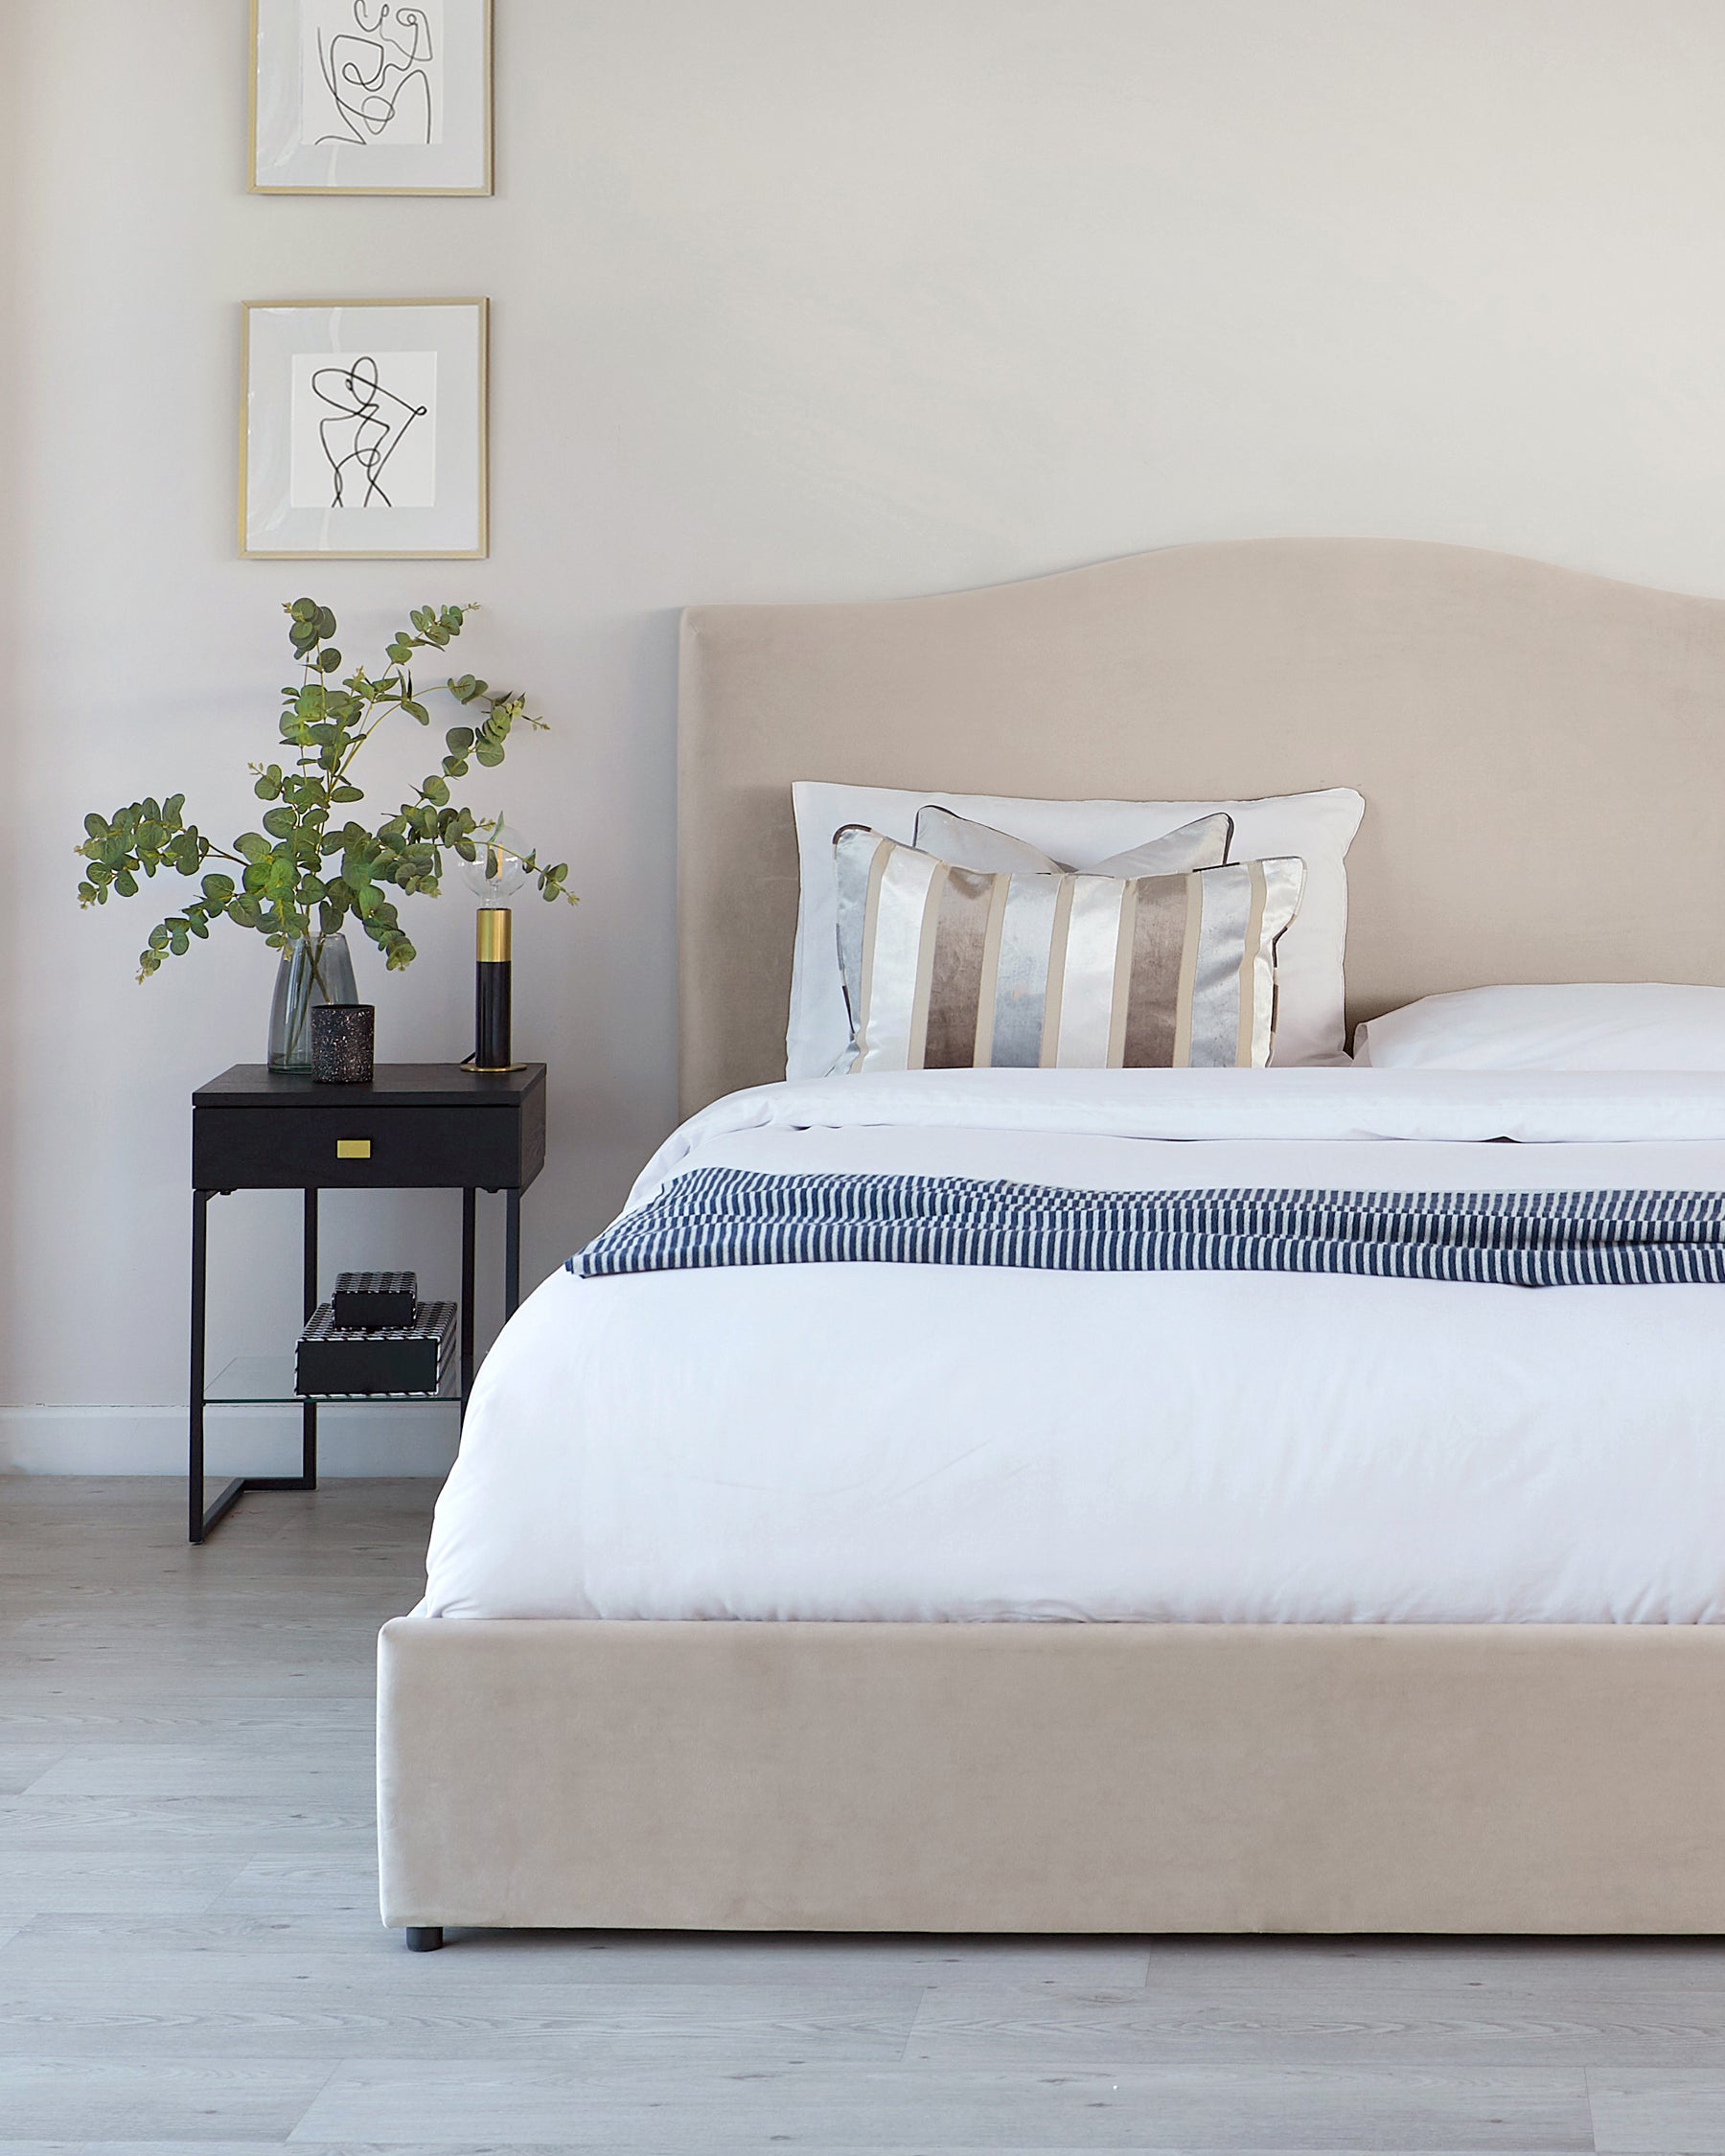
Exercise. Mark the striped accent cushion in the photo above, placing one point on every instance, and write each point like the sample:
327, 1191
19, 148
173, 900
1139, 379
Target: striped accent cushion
950, 968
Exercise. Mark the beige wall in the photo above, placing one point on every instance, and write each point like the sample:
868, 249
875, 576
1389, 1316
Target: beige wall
792, 299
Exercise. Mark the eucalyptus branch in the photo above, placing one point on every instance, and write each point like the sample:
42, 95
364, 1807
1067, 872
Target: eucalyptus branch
286, 890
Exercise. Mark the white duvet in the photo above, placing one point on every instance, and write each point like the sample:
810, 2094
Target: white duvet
917, 1442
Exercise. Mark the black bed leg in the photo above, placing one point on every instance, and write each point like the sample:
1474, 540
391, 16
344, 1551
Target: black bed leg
424, 1938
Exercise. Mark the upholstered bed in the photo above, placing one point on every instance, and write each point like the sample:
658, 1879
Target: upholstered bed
1539, 751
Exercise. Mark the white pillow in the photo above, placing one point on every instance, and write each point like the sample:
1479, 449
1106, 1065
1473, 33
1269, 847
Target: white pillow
1203, 843
1637, 1025
1316, 827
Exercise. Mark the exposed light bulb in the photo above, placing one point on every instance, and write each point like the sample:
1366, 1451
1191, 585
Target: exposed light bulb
498, 871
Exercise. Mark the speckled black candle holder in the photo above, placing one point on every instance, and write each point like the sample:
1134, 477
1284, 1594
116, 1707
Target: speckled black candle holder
341, 1044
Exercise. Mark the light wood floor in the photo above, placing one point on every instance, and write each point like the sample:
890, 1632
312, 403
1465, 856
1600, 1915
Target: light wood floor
191, 1958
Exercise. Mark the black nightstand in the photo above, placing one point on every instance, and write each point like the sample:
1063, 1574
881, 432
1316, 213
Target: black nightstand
418, 1126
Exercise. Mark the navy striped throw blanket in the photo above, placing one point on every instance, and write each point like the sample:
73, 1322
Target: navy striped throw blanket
1504, 1238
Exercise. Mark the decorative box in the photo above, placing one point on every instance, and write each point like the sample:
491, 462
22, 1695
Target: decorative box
368, 1300
410, 1360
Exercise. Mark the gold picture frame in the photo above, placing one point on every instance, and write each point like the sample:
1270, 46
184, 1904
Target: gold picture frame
278, 340
300, 160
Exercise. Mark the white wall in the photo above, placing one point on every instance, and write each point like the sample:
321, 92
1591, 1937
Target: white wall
792, 299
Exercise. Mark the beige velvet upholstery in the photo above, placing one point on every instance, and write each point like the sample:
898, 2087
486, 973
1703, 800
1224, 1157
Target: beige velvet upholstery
1053, 1777
1541, 752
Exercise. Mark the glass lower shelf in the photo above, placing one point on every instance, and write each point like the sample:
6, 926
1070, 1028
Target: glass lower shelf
267, 1380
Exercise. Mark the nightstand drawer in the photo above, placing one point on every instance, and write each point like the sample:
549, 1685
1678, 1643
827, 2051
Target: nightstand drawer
360, 1147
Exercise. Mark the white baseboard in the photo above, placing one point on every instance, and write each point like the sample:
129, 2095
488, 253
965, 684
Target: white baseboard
351, 1441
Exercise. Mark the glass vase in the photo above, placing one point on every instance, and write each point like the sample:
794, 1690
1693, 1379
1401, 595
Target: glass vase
315, 970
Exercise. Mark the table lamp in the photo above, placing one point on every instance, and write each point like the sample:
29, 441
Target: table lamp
496, 874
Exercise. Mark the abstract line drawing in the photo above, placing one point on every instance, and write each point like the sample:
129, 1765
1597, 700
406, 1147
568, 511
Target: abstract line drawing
369, 425
378, 74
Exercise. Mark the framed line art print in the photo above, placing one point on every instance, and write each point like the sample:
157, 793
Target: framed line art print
363, 429
371, 97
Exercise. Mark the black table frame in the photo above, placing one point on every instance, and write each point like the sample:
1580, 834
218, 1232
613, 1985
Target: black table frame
203, 1518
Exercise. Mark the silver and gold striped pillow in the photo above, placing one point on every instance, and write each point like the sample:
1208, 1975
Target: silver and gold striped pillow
950, 968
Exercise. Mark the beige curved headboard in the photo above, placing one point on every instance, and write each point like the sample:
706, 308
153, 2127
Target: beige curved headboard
1540, 752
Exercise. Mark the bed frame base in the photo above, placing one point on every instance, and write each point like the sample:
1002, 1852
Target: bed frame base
1027, 1777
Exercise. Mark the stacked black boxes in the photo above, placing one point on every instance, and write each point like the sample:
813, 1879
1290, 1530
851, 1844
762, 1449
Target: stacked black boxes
376, 1339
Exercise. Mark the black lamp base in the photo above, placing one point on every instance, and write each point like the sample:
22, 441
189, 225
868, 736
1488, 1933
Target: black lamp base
492, 982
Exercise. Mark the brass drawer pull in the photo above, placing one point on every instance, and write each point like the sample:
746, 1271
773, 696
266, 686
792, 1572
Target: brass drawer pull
353, 1149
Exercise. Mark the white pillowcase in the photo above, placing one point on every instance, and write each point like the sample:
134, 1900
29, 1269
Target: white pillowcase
1203, 843
1636, 1026
1316, 827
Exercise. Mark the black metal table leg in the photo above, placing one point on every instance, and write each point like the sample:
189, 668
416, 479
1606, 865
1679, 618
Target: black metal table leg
470, 1225
307, 1478
201, 1518
309, 1412
512, 1251
194, 1459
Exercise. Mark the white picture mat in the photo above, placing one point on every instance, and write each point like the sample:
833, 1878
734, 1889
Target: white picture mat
278, 338
289, 102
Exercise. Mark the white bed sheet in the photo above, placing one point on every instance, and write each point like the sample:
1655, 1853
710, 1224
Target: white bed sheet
906, 1442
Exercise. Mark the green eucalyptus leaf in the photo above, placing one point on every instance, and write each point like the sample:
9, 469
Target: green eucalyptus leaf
282, 890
